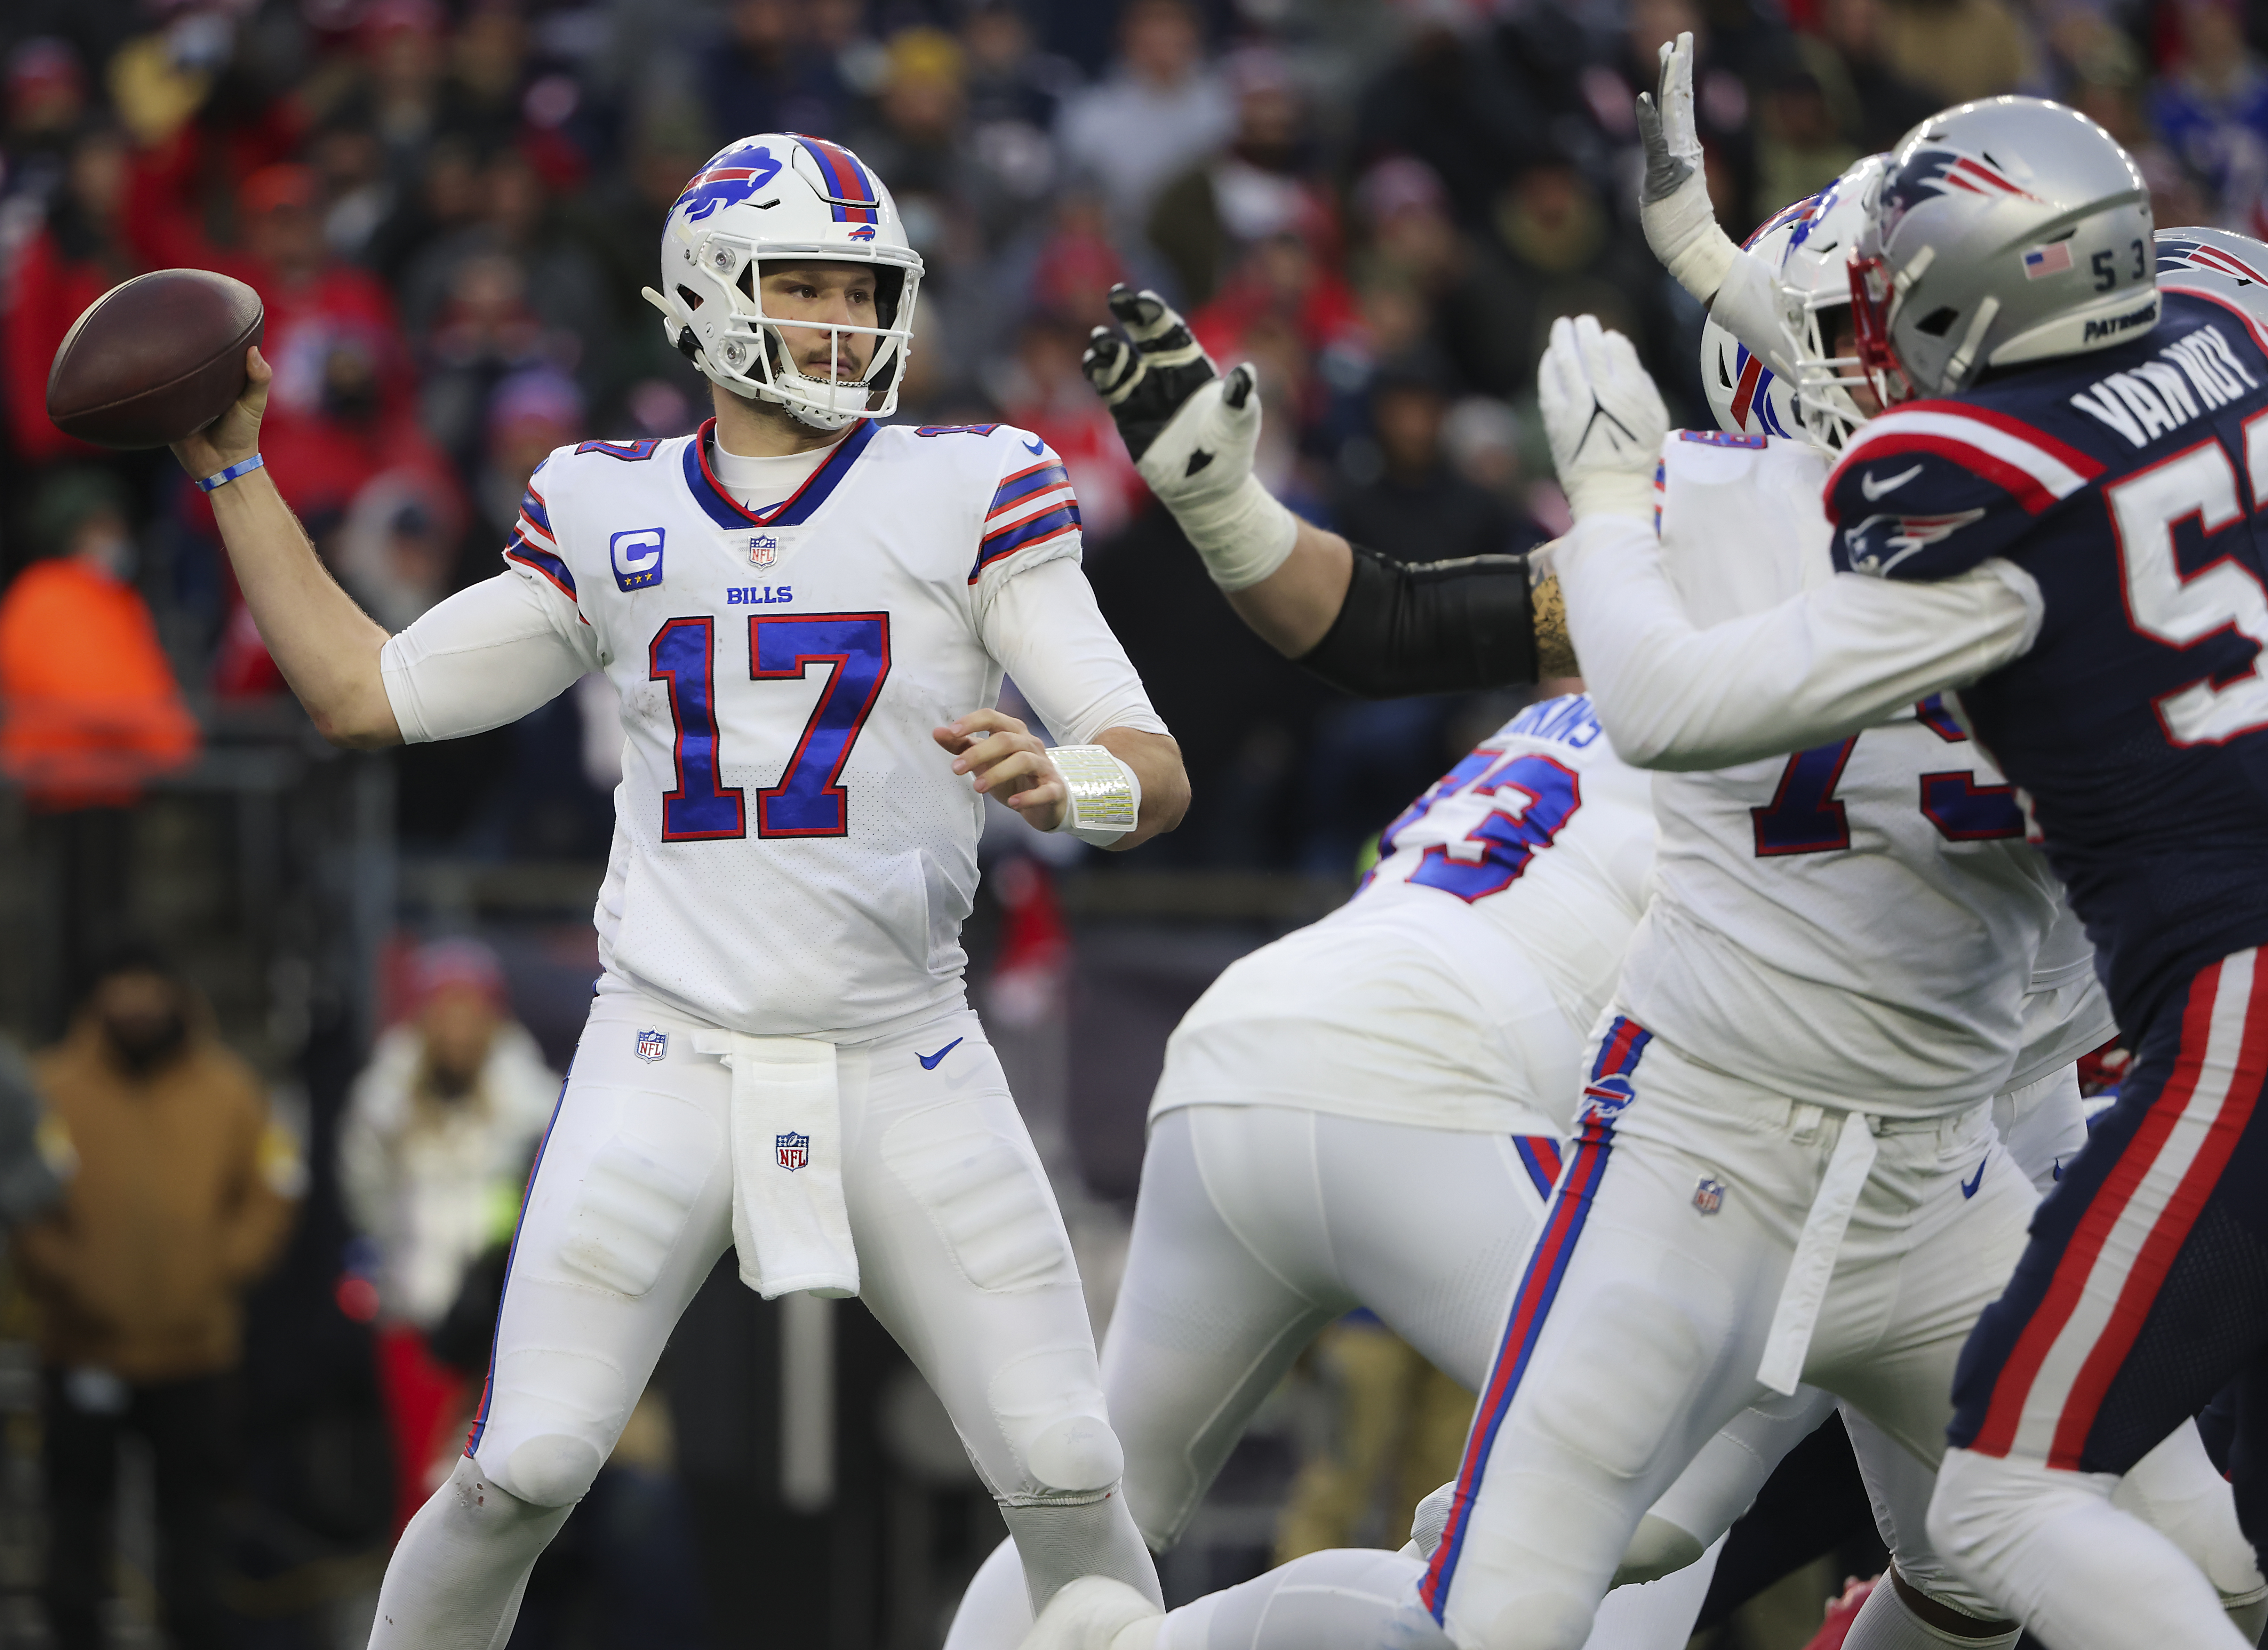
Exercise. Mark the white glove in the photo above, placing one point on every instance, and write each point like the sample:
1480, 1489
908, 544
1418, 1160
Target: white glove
1680, 223
1603, 417
1192, 435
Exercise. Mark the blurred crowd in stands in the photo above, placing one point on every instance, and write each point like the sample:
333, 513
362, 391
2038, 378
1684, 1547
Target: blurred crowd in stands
449, 210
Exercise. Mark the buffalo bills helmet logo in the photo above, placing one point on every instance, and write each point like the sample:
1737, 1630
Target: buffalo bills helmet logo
865, 232
1604, 1099
730, 176
792, 1149
1928, 172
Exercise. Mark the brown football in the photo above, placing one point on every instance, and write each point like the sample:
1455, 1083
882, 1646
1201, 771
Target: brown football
154, 358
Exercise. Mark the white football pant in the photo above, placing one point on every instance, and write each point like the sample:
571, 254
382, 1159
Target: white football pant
963, 1257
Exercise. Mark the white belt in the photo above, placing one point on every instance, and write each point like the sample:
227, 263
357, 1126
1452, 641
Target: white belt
789, 1222
1801, 1296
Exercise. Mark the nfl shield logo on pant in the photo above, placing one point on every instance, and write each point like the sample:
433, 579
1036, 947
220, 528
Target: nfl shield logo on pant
1709, 1196
793, 1150
653, 1045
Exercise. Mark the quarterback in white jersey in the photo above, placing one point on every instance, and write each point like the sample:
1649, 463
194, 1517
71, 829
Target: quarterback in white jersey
807, 616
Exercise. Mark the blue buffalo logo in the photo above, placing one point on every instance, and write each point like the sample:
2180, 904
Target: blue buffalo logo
865, 232
1604, 1099
729, 178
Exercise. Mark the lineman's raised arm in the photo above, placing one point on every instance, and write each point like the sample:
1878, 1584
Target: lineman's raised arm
1837, 659
1681, 222
1362, 622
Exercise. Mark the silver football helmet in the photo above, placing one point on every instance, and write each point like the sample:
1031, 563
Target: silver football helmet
2003, 231
2219, 264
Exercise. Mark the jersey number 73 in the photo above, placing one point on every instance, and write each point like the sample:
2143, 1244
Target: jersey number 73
809, 800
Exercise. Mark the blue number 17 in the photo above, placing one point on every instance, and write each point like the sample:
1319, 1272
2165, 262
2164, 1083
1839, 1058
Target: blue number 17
809, 800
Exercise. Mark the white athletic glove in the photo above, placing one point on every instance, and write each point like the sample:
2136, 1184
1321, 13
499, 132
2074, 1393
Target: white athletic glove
1680, 223
1603, 417
1192, 434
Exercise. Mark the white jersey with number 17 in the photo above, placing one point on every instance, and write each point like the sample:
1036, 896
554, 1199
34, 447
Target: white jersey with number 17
793, 854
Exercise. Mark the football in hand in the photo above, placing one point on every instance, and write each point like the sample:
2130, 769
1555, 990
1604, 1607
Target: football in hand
154, 359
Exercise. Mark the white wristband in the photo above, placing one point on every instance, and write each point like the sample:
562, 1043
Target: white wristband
1243, 535
1105, 795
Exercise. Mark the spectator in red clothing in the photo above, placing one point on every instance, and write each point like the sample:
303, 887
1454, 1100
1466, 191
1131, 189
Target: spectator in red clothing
316, 305
77, 255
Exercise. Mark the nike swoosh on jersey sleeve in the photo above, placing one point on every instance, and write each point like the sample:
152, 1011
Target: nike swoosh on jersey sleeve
1032, 505
1933, 488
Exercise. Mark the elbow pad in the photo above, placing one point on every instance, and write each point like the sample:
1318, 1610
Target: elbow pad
1429, 627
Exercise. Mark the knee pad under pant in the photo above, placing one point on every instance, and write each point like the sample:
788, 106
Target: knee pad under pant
1050, 1407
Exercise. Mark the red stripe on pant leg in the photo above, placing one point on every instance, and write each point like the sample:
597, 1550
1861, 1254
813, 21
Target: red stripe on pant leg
2013, 1385
1618, 1049
2169, 1231
1535, 1289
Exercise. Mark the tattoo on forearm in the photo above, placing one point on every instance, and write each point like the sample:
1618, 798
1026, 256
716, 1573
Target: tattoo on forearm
1555, 654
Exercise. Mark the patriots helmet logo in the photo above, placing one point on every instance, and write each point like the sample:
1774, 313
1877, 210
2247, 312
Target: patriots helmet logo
2175, 255
730, 176
1930, 173
792, 1149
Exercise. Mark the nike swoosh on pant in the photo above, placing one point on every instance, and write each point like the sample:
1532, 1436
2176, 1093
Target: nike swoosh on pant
1969, 1187
929, 1061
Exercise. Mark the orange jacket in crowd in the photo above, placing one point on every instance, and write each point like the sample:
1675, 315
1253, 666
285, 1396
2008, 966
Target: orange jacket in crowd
180, 1192
92, 707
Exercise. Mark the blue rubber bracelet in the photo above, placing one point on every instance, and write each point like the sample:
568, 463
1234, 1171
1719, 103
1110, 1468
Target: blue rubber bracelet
245, 467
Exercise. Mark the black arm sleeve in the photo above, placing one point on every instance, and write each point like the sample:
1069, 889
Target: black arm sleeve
1428, 627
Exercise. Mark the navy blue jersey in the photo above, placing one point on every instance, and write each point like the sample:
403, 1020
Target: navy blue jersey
2126, 483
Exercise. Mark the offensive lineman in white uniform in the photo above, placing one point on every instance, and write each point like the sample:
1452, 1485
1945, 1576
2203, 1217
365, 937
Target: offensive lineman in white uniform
1369, 1112
1953, 805
807, 616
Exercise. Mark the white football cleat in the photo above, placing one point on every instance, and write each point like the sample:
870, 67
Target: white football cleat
1095, 1612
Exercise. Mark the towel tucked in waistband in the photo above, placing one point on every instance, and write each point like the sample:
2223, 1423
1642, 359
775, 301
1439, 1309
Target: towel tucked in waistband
789, 1221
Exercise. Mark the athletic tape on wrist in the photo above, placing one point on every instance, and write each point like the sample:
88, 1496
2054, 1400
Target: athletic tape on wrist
1243, 535
1610, 493
1105, 795
222, 478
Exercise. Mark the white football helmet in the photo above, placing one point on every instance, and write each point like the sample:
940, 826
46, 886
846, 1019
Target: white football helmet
1748, 397
1814, 283
780, 197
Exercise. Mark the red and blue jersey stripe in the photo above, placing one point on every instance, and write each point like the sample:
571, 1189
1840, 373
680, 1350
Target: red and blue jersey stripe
1604, 1098
533, 546
1032, 507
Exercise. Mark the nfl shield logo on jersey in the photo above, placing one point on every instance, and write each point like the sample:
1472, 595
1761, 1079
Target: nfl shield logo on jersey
793, 1151
653, 1045
1709, 1196
764, 549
